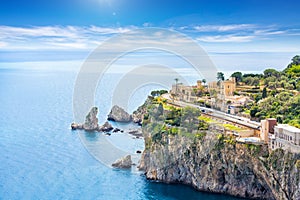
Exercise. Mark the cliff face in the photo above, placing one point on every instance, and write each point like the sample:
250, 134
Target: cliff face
235, 169
212, 162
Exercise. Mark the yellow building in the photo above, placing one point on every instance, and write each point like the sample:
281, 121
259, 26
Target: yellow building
220, 92
224, 88
199, 85
228, 87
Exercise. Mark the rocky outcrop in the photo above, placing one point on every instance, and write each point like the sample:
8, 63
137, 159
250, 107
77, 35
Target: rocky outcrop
118, 114
91, 123
211, 165
135, 132
106, 127
123, 163
210, 161
91, 120
75, 126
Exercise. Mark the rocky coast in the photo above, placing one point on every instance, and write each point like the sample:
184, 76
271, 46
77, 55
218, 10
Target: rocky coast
204, 159
212, 162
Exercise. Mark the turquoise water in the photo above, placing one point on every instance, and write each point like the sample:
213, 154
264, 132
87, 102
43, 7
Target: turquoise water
41, 158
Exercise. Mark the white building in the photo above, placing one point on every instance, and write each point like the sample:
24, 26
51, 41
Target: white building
286, 137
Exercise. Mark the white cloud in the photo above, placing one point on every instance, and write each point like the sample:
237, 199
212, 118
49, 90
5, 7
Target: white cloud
269, 32
43, 31
105, 30
3, 44
147, 24
225, 28
69, 45
225, 38
51, 37
89, 37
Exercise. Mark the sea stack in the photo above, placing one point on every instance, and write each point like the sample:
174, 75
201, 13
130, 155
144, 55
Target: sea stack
118, 114
124, 163
91, 120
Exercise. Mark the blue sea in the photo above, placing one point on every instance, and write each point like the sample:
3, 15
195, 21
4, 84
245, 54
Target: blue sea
41, 158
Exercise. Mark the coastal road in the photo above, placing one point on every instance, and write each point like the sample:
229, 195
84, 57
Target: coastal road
215, 113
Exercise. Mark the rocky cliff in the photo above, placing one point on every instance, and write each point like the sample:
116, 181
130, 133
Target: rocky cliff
212, 162
138, 115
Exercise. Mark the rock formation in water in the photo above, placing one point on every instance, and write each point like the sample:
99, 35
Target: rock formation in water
106, 127
91, 123
123, 163
118, 114
91, 120
210, 162
75, 126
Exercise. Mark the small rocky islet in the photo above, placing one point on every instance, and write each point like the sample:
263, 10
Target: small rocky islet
116, 114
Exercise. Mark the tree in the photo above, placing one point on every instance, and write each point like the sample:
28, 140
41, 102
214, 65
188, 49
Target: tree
220, 76
296, 60
255, 81
252, 75
204, 81
293, 71
161, 92
176, 82
264, 93
253, 111
159, 111
189, 118
271, 72
238, 76
154, 93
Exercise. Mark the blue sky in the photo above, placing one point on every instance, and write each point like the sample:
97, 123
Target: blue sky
249, 35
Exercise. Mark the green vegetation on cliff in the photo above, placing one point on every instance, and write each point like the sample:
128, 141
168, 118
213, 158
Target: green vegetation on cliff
164, 120
181, 147
276, 94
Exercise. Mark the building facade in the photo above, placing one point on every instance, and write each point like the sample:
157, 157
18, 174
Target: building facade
286, 137
267, 128
185, 92
223, 98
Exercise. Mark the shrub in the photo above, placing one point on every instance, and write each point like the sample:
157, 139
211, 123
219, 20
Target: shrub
298, 164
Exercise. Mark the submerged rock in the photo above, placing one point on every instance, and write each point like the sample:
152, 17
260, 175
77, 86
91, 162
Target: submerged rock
136, 132
91, 120
118, 114
124, 163
116, 130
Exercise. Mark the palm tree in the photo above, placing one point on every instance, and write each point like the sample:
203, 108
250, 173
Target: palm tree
220, 76
176, 80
